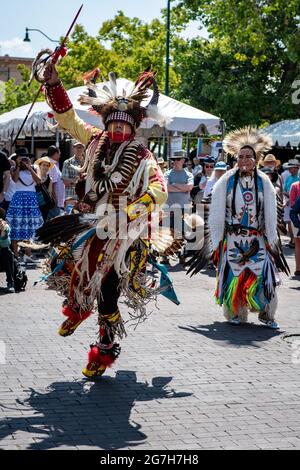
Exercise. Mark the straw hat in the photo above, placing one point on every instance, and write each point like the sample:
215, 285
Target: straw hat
44, 160
268, 159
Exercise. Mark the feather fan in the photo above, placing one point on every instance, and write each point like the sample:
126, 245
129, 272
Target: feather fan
62, 229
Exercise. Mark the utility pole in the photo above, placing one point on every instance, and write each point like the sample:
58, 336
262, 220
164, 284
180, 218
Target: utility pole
168, 48
167, 75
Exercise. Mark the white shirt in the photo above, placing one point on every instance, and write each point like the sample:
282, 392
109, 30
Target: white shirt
59, 186
197, 169
209, 186
285, 176
29, 184
8, 195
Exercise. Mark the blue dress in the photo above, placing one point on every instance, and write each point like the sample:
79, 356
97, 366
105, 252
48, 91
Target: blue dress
24, 215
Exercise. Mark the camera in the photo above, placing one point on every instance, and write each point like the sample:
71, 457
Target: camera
25, 159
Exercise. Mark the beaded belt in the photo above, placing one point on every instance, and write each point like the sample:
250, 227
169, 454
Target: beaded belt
238, 229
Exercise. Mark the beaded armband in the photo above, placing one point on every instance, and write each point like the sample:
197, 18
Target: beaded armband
57, 98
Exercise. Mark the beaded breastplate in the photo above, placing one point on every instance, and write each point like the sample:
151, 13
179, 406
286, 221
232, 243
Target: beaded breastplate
111, 168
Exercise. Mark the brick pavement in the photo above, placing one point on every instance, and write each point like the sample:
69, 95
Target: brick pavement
184, 380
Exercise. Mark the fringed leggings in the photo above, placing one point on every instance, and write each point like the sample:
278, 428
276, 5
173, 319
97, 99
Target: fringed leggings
242, 312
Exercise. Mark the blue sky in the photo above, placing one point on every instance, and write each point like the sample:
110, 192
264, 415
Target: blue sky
54, 17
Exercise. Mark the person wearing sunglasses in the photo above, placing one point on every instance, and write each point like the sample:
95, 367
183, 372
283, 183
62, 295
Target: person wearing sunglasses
189, 166
201, 182
180, 181
219, 170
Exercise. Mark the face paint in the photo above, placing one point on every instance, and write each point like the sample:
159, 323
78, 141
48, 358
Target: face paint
117, 136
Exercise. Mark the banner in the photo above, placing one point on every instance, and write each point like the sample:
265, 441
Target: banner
176, 144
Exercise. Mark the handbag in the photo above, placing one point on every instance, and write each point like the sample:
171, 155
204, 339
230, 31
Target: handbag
45, 200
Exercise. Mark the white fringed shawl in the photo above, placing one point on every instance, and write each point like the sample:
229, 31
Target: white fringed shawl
217, 211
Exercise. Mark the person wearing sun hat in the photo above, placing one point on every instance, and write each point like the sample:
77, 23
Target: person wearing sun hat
270, 161
163, 165
44, 165
201, 180
44, 160
179, 180
20, 153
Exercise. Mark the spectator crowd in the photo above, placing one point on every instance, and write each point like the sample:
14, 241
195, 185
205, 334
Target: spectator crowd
34, 191
191, 182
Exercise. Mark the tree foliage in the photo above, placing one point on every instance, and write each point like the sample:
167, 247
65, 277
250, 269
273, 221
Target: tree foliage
243, 73
246, 70
124, 45
18, 95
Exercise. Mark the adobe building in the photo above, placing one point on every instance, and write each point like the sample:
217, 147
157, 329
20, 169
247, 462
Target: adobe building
9, 67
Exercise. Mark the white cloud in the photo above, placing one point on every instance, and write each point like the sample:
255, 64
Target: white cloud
15, 46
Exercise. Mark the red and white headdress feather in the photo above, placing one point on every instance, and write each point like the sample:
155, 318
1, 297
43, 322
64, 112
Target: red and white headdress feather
106, 98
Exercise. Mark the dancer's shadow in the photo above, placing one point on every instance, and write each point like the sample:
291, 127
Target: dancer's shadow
295, 288
88, 413
176, 268
3, 291
209, 271
243, 335
295, 278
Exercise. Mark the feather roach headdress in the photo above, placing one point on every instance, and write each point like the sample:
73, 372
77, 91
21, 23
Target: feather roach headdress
112, 103
250, 136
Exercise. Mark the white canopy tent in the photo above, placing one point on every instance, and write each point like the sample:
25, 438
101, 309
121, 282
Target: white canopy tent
284, 132
183, 118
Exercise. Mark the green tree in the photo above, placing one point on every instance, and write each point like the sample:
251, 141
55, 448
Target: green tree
18, 95
124, 45
85, 53
247, 68
138, 45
